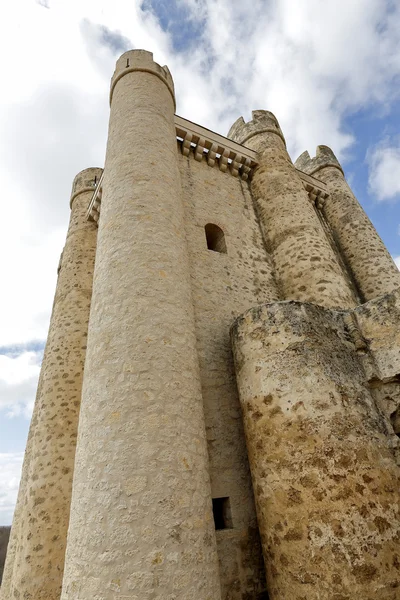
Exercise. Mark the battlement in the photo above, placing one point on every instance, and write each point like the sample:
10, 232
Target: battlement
323, 158
218, 151
263, 121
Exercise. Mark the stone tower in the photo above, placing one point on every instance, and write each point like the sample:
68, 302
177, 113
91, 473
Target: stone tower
218, 412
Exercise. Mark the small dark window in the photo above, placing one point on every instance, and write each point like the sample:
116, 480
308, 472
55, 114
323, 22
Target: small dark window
222, 513
215, 238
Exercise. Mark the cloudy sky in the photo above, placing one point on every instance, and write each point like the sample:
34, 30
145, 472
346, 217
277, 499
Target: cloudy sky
329, 71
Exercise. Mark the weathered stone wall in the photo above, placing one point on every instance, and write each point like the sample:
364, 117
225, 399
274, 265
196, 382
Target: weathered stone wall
141, 517
34, 569
305, 264
4, 537
378, 327
325, 477
223, 286
371, 265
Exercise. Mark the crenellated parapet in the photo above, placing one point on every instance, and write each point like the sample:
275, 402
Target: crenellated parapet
85, 182
263, 121
220, 152
323, 158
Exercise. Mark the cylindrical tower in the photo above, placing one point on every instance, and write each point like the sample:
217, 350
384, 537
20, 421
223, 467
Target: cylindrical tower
141, 518
306, 265
42, 513
14, 540
371, 265
325, 480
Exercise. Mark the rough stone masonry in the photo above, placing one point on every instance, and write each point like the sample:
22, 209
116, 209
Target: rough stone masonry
218, 411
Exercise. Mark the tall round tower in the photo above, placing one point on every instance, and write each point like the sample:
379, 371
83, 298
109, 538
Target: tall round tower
306, 266
35, 566
141, 518
372, 267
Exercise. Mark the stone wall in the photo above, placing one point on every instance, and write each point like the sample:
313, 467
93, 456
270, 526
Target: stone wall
223, 285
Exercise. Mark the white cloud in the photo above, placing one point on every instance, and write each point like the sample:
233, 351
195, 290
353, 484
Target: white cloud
397, 261
18, 381
310, 62
10, 473
384, 169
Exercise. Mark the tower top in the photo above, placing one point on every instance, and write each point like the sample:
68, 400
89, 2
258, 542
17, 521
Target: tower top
85, 181
262, 121
324, 157
141, 60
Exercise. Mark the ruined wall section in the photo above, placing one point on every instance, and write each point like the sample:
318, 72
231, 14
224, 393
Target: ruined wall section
325, 477
377, 326
223, 285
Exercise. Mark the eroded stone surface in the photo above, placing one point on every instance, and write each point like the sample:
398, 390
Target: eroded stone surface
325, 478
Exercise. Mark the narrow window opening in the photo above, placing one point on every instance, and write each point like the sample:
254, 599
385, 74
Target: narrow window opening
222, 513
127, 63
215, 238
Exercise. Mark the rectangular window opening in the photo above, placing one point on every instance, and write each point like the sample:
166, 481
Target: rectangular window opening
222, 513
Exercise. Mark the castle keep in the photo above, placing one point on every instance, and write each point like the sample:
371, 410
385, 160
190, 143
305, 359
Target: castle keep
217, 416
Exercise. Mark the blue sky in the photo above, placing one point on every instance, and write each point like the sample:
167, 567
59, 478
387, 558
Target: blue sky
329, 71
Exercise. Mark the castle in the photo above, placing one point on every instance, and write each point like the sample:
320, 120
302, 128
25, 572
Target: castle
217, 415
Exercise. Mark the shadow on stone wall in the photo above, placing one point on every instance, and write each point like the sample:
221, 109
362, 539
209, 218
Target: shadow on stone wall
4, 535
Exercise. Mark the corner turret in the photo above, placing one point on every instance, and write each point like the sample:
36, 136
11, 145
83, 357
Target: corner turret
370, 264
306, 266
